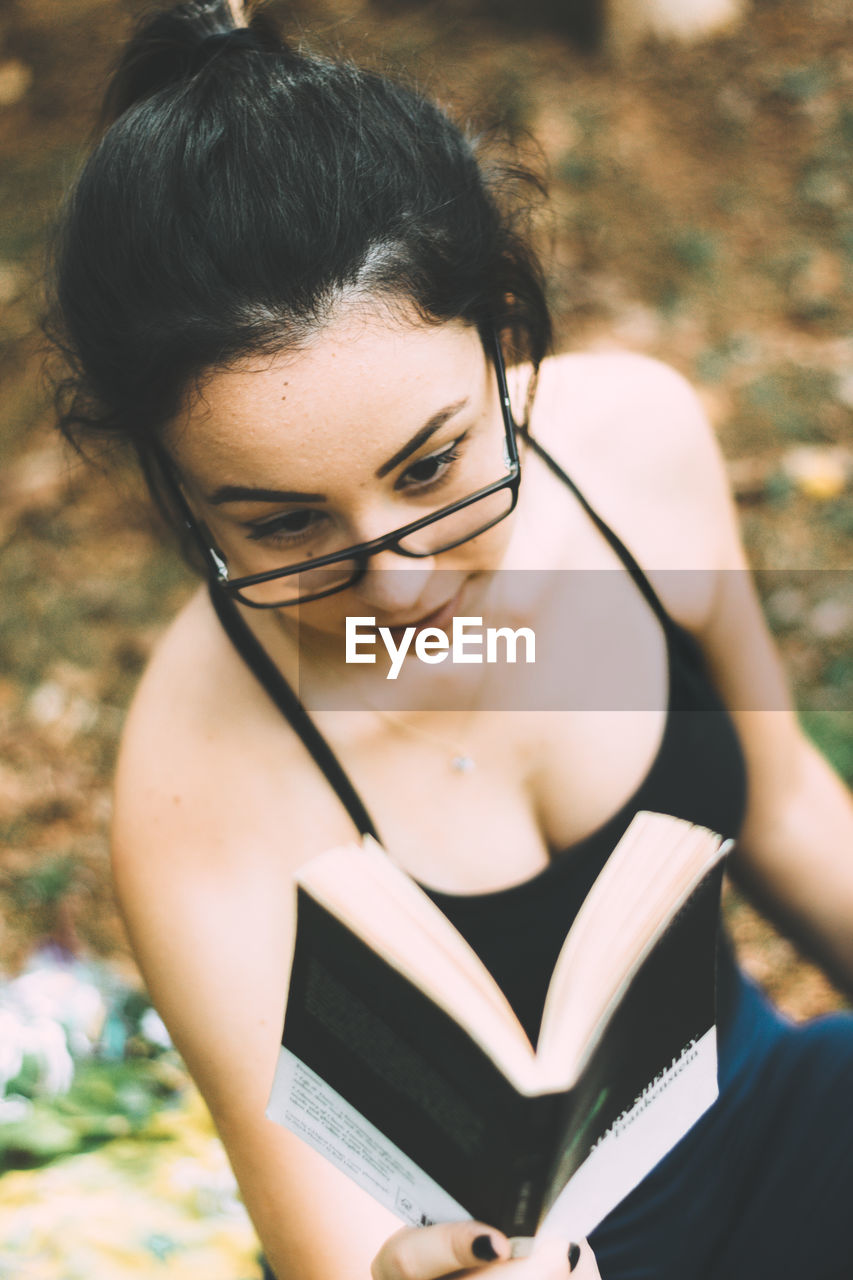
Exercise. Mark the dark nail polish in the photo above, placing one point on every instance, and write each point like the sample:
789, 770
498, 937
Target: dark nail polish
574, 1256
483, 1249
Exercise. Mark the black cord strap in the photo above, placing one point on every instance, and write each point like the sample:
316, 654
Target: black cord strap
273, 682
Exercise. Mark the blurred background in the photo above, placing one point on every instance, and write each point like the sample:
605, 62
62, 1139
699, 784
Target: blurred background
700, 212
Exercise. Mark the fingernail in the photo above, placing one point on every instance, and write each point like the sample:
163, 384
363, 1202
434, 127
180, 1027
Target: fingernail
574, 1256
483, 1249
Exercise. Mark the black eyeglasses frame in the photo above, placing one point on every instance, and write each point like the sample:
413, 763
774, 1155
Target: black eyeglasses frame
361, 552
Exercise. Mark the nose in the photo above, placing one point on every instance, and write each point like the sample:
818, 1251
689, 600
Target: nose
392, 583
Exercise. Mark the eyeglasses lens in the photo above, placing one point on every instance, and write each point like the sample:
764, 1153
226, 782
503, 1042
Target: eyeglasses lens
439, 535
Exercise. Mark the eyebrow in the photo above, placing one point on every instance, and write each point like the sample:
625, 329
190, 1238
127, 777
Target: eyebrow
437, 420
248, 493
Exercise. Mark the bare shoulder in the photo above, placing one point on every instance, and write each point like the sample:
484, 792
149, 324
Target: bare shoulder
630, 413
185, 842
216, 801
633, 434
201, 853
203, 750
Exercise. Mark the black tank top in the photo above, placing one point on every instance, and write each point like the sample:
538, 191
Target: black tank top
698, 773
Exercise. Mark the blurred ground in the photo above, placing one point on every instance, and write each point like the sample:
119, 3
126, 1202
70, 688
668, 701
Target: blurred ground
701, 212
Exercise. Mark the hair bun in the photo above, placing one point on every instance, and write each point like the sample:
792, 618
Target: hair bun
237, 37
174, 44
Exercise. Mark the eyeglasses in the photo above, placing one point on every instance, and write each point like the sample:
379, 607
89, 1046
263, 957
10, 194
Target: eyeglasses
323, 575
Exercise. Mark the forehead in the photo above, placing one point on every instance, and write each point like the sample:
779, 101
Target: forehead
362, 387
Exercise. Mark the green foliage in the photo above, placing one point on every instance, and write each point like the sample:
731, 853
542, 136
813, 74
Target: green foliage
838, 516
832, 732
53, 620
32, 183
106, 1100
41, 1136
788, 400
821, 186
778, 488
46, 883
694, 249
714, 363
514, 103
578, 168
586, 160
803, 84
844, 125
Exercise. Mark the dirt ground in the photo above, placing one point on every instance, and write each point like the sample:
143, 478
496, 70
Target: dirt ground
700, 213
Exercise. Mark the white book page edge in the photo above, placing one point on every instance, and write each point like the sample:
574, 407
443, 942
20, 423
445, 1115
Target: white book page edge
639, 1138
451, 976
576, 1056
599, 943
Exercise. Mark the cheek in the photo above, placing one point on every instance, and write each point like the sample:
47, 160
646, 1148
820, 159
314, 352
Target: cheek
486, 551
328, 615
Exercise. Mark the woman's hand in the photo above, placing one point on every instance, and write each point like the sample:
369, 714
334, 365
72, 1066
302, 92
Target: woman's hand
463, 1249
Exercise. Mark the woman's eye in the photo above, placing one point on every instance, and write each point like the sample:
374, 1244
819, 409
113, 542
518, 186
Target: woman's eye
293, 524
430, 469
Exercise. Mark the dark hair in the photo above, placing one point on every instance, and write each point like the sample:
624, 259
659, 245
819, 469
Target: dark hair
239, 189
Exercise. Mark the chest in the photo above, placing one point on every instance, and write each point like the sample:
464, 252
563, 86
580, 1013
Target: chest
550, 755
535, 783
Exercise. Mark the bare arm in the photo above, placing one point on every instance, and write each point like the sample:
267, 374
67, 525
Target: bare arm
795, 855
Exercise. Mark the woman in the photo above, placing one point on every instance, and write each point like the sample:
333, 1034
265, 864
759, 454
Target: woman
287, 284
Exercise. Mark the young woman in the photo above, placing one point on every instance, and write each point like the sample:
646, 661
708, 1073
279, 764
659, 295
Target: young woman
289, 284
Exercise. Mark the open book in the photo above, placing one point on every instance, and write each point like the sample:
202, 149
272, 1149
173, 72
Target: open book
404, 1064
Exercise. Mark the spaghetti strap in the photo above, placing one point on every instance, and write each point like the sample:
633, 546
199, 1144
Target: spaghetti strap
616, 543
270, 678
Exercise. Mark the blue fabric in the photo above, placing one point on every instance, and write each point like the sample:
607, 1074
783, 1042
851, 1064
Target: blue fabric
762, 1187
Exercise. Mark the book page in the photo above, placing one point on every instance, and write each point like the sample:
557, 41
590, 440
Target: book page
391, 914
654, 869
410, 897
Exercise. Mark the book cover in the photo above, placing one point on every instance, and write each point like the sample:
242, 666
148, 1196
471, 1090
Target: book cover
402, 1097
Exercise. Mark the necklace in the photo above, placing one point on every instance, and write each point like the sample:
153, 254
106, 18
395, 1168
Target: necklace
460, 760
